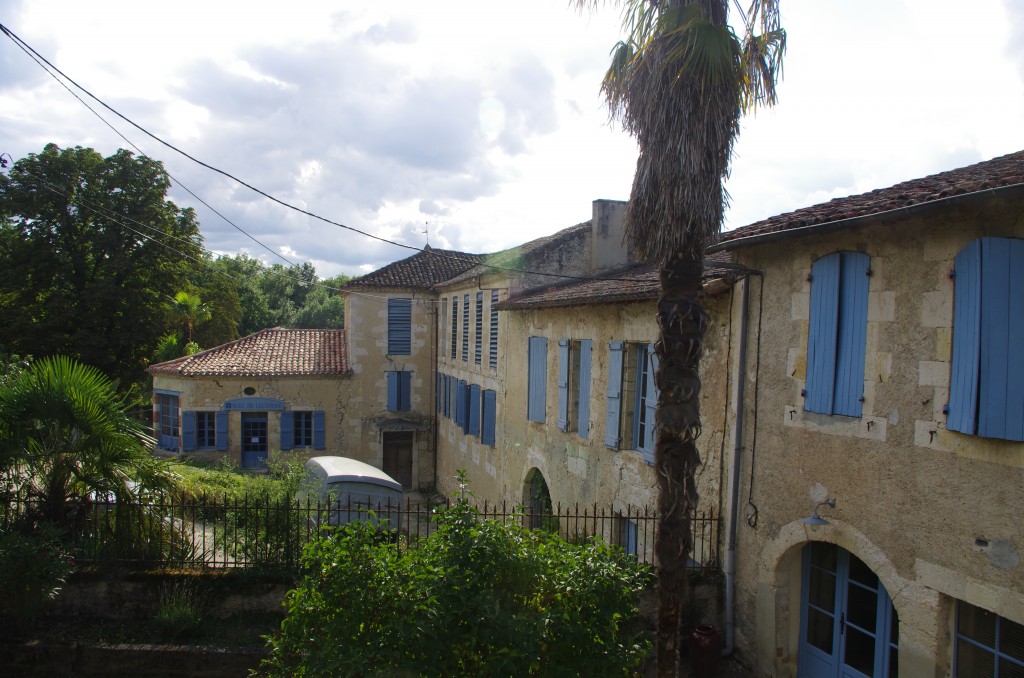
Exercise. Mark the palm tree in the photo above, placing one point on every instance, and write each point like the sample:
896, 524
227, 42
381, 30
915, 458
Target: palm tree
65, 440
187, 311
679, 82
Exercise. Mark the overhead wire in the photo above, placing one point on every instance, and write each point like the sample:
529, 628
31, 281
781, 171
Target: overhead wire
40, 60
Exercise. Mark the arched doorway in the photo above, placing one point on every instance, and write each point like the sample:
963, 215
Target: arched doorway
848, 625
537, 500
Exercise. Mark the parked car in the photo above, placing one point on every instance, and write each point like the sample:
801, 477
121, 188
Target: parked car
347, 489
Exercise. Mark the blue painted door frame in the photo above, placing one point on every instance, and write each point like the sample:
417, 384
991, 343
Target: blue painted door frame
254, 439
848, 626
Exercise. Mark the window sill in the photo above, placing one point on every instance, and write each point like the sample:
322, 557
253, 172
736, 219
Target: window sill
866, 427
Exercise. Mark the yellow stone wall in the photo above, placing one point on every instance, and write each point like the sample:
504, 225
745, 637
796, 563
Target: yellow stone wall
935, 513
208, 394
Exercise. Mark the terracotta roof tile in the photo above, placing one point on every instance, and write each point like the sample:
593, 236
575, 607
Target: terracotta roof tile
273, 352
636, 282
1007, 170
423, 270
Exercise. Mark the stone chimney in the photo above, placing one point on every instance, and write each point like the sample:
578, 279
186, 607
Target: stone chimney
608, 235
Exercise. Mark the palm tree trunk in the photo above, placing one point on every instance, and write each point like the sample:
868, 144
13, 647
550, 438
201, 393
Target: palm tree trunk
681, 320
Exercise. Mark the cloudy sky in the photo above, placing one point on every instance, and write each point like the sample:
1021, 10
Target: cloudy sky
481, 123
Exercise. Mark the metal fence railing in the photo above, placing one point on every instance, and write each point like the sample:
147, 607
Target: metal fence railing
256, 532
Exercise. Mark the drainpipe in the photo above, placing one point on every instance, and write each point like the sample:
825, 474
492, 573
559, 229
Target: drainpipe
734, 486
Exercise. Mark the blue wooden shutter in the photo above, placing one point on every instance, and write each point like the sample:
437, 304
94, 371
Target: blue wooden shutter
563, 385
222, 430
852, 333
460, 404
650, 405
467, 406
584, 393
399, 326
455, 325
287, 430
536, 404
963, 389
447, 395
614, 410
319, 437
474, 410
492, 339
465, 327
822, 334
440, 390
489, 417
393, 386
404, 391
1000, 392
188, 431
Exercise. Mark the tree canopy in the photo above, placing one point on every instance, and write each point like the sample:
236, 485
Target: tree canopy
90, 250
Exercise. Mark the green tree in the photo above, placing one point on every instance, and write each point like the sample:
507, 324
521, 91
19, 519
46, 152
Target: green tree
477, 597
220, 292
323, 307
679, 82
89, 250
247, 272
65, 438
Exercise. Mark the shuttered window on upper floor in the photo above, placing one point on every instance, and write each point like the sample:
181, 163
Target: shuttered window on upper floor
837, 334
399, 326
492, 347
399, 396
986, 392
455, 327
465, 327
537, 377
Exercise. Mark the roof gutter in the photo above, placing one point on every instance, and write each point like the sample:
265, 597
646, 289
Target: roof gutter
865, 219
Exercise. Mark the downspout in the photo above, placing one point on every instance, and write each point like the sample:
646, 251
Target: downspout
435, 354
729, 643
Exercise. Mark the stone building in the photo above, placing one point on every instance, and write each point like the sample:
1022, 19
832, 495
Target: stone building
273, 391
885, 373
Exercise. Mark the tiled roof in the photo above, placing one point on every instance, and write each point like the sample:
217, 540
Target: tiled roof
1007, 170
423, 270
636, 282
274, 352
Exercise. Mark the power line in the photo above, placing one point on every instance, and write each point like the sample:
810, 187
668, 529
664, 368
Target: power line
39, 58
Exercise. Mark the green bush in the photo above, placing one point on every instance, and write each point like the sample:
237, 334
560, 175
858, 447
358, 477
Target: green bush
33, 568
477, 598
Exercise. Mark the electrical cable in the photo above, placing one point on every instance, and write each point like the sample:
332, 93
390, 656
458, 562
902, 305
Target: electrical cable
40, 58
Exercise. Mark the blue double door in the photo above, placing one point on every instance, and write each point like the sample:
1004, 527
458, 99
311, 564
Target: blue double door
254, 439
848, 625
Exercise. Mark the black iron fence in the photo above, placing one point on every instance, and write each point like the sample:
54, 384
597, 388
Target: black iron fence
254, 532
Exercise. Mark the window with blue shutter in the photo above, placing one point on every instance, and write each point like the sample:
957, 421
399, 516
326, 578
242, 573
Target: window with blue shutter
613, 412
446, 396
399, 391
465, 327
646, 402
455, 327
837, 334
188, 431
474, 410
460, 403
478, 338
302, 429
467, 406
537, 377
222, 430
489, 417
583, 411
492, 346
986, 393
563, 385
167, 419
399, 326
440, 390
206, 430
319, 430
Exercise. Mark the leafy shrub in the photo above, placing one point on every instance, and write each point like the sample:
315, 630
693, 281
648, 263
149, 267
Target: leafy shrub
33, 568
478, 597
